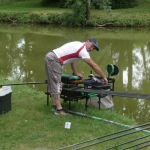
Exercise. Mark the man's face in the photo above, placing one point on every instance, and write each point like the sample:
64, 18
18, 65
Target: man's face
89, 46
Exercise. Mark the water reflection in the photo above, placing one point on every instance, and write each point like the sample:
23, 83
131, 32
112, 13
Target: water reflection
23, 49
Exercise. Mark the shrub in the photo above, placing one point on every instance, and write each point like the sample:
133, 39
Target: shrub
118, 4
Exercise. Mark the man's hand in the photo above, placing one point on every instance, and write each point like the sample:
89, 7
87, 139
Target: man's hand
79, 75
74, 69
105, 81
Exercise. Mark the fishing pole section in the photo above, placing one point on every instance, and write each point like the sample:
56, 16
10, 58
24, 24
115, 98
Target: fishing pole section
141, 142
24, 83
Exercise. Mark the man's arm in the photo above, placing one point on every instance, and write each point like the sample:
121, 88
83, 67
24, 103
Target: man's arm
96, 69
74, 69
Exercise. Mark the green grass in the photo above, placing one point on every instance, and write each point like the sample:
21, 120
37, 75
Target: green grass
30, 11
31, 123
30, 6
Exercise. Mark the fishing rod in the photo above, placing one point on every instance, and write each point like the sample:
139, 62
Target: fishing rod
143, 146
115, 93
122, 135
128, 142
138, 145
108, 135
24, 83
105, 120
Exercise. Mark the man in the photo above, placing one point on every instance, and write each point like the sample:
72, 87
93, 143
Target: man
68, 54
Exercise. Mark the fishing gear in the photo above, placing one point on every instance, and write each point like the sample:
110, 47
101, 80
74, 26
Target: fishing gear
105, 120
122, 135
138, 145
128, 142
115, 135
142, 146
115, 93
24, 83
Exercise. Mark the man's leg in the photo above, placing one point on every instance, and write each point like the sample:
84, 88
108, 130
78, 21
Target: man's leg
56, 101
54, 72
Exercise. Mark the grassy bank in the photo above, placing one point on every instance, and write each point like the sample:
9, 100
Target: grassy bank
32, 12
31, 123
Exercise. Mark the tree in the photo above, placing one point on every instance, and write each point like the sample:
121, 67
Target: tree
82, 4
80, 10
88, 14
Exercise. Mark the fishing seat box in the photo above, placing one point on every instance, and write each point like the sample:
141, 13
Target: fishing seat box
66, 78
5, 99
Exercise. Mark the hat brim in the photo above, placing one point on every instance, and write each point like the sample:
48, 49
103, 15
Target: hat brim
96, 47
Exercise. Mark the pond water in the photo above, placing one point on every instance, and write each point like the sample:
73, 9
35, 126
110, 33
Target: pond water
23, 47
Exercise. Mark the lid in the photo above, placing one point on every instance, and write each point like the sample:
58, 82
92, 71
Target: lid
4, 90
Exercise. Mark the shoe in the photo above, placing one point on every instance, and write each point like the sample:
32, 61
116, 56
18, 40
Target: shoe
54, 108
61, 112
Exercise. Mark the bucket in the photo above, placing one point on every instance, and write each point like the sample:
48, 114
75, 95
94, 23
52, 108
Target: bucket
5, 99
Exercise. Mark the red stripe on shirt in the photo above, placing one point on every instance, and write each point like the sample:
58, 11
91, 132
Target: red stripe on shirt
73, 55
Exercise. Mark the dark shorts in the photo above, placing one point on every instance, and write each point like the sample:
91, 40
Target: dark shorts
53, 70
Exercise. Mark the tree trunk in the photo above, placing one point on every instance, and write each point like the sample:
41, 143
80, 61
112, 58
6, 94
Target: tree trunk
88, 15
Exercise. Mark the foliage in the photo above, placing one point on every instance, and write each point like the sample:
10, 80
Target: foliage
101, 4
3, 2
78, 15
118, 4
68, 19
97, 4
3, 17
49, 2
79, 12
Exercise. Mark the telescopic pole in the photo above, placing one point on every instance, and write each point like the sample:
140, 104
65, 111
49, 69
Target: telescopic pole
24, 83
105, 120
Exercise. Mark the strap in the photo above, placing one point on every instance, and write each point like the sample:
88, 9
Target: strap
73, 55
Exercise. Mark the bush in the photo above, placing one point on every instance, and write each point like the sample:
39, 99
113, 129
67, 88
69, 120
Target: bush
3, 17
49, 2
37, 18
118, 4
23, 17
68, 19
98, 4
